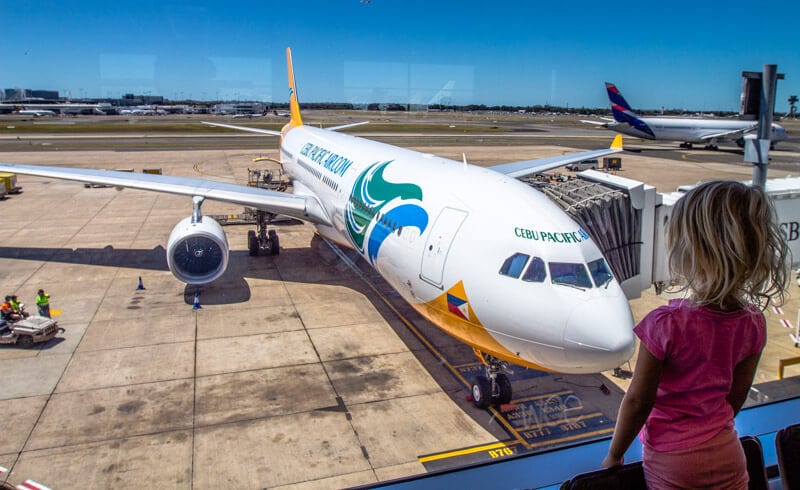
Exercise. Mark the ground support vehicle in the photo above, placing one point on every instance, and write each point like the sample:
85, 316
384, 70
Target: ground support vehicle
28, 331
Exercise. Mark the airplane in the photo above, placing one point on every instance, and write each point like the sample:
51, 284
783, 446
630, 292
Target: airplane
686, 130
483, 256
35, 113
52, 109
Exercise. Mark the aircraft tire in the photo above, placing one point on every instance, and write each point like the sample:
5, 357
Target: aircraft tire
481, 392
252, 243
275, 244
504, 388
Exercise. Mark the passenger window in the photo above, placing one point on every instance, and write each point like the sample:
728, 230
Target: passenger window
569, 274
600, 273
513, 265
535, 272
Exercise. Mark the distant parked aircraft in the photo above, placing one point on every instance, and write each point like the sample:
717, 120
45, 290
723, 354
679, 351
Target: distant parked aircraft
35, 113
686, 130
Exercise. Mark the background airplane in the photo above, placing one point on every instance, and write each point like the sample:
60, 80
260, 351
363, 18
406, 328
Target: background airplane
686, 130
35, 113
483, 256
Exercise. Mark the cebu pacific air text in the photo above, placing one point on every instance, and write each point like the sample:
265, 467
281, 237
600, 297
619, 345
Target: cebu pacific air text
332, 162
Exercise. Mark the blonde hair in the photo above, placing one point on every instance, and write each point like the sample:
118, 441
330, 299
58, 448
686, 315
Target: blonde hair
725, 247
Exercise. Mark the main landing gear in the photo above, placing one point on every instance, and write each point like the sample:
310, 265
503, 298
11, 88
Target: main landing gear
686, 145
493, 388
263, 239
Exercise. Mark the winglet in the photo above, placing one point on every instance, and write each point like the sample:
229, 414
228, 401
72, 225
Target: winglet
617, 143
294, 106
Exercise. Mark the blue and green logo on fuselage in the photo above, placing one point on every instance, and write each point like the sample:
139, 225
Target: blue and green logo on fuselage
382, 204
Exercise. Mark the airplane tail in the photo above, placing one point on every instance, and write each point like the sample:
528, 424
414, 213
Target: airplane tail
294, 106
623, 113
619, 106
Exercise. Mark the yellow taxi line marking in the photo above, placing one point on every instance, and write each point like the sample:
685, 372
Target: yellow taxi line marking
566, 420
572, 438
546, 395
462, 452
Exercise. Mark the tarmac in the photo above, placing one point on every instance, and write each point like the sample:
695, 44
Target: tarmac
302, 370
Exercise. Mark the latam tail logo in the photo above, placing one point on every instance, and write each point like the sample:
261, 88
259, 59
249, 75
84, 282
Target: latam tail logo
378, 208
622, 111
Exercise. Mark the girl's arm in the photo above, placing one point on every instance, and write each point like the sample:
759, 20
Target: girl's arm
743, 375
636, 405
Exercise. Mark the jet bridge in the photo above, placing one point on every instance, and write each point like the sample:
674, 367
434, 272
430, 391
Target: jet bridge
626, 220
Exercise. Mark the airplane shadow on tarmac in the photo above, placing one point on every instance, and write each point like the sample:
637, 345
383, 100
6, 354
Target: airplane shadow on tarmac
231, 288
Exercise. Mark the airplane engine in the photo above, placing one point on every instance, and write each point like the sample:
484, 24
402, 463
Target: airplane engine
197, 253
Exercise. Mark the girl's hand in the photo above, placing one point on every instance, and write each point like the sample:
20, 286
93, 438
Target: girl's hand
611, 461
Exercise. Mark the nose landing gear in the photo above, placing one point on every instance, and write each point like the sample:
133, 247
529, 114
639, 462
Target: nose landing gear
493, 388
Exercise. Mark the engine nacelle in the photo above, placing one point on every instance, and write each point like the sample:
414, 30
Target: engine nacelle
197, 253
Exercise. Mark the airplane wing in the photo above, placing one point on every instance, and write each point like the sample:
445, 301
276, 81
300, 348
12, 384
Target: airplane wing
302, 207
343, 126
527, 167
728, 134
596, 123
278, 133
244, 128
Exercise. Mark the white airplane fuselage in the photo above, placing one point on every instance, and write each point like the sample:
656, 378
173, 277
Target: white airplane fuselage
691, 130
439, 231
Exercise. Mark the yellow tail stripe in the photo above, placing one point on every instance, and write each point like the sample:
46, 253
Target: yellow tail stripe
294, 106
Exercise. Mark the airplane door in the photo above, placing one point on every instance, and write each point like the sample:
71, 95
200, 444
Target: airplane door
438, 244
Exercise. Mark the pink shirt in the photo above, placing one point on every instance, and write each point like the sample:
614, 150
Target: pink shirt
699, 348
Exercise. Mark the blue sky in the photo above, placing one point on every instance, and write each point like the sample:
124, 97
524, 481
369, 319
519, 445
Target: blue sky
673, 54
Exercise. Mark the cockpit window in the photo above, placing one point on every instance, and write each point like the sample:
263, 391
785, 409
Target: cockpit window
599, 271
513, 265
536, 271
570, 274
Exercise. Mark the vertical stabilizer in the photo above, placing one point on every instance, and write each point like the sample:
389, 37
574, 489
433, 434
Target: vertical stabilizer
623, 113
294, 106
618, 102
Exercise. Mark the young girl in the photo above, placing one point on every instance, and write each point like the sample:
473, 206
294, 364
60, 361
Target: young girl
698, 356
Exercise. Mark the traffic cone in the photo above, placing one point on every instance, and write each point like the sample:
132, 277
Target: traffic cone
140, 286
196, 305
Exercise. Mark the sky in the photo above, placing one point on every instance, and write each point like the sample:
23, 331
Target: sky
672, 54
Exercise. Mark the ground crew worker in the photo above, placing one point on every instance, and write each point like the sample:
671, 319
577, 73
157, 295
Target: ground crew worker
43, 302
8, 311
17, 307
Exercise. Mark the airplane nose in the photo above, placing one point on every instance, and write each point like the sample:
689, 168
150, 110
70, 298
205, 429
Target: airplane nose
603, 331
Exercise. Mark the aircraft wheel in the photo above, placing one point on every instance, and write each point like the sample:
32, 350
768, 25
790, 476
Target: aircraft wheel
481, 392
504, 389
25, 341
252, 243
275, 243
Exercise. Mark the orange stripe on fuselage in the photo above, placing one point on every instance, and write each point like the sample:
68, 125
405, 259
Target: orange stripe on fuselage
470, 332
